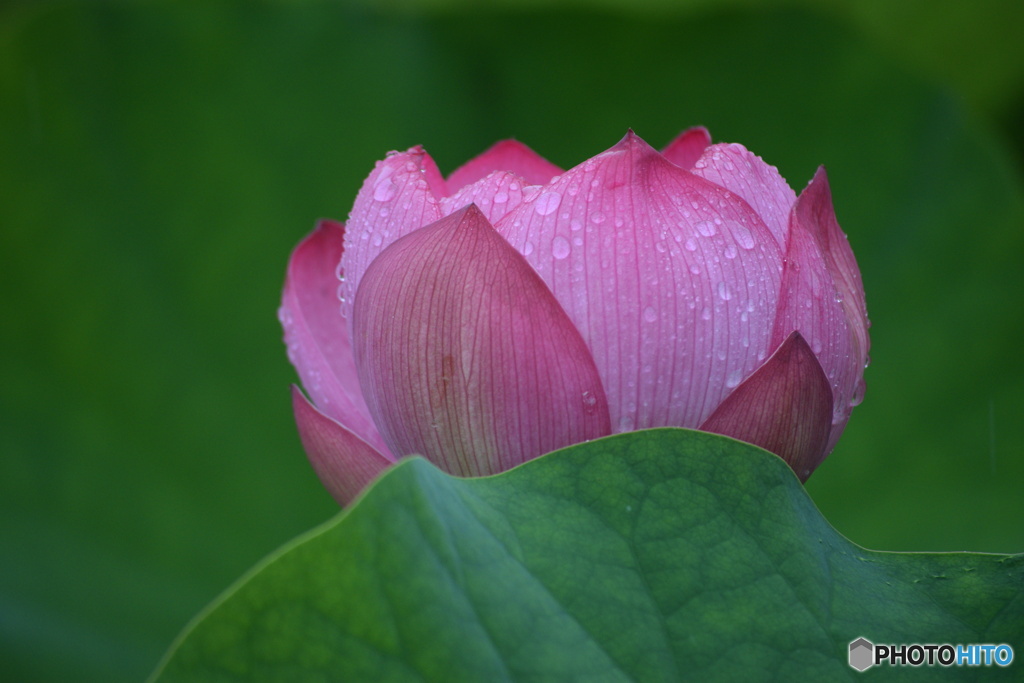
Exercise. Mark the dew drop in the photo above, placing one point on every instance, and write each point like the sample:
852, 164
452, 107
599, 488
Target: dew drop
730, 252
858, 394
650, 315
560, 247
547, 203
733, 380
724, 291
501, 197
384, 190
527, 248
706, 228
589, 402
597, 218
691, 244
705, 313
743, 236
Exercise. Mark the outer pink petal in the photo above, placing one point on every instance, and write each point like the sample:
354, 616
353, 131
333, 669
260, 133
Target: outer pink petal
814, 208
687, 147
399, 196
736, 169
344, 462
785, 407
507, 155
464, 355
317, 337
824, 298
495, 195
672, 280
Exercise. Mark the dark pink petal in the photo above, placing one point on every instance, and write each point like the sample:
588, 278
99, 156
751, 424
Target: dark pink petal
814, 209
464, 355
785, 407
507, 155
687, 147
495, 195
736, 169
672, 281
399, 196
823, 299
316, 335
345, 463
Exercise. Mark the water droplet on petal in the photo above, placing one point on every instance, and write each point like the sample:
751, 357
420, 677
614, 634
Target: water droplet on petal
384, 190
501, 197
724, 291
527, 248
730, 251
597, 218
560, 247
743, 236
547, 203
858, 394
650, 315
691, 245
706, 228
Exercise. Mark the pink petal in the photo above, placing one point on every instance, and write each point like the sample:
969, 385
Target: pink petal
785, 407
345, 463
687, 147
507, 155
317, 337
399, 196
672, 280
466, 357
495, 195
824, 298
814, 208
733, 167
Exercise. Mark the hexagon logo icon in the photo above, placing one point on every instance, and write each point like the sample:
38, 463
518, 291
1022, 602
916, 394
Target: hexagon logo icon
862, 653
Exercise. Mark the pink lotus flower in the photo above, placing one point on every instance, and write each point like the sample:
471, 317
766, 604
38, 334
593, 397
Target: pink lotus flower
513, 309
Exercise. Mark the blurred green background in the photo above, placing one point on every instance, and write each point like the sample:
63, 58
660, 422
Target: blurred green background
159, 161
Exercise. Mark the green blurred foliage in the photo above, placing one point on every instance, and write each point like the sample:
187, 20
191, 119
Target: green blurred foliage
159, 161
